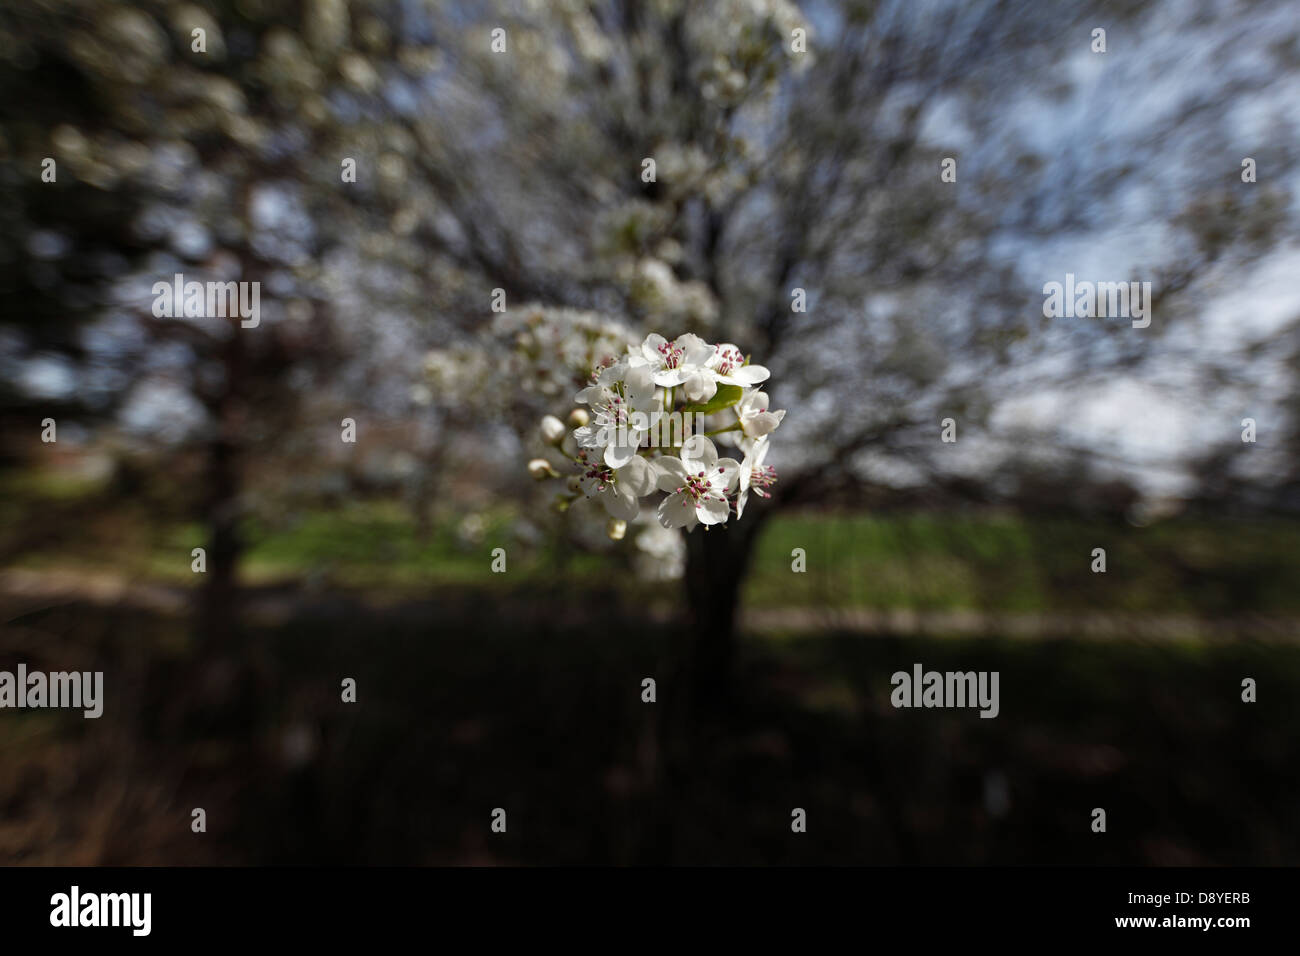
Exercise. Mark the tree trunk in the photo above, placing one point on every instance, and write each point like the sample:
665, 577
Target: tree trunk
221, 515
716, 563
221, 503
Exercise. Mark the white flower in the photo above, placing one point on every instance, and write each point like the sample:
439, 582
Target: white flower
755, 420
698, 482
621, 410
618, 490
631, 387
674, 362
603, 379
754, 475
728, 365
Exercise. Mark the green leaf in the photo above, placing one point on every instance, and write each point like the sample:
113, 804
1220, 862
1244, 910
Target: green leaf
727, 396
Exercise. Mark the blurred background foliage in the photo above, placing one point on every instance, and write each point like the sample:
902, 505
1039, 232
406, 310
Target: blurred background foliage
521, 171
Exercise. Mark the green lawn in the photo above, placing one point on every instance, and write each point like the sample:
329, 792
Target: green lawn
1014, 563
920, 561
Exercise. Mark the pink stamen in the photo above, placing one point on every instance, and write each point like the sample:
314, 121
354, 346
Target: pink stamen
729, 360
762, 478
672, 355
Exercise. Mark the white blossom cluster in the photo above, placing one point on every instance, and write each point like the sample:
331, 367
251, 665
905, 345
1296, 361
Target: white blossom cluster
550, 351
550, 345
645, 427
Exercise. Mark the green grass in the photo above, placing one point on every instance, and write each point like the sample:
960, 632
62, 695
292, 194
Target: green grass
919, 561
1013, 563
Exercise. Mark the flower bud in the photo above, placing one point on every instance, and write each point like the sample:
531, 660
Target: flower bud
616, 528
552, 430
578, 417
541, 469
699, 387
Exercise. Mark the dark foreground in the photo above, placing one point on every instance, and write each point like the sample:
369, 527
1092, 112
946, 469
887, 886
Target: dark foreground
467, 706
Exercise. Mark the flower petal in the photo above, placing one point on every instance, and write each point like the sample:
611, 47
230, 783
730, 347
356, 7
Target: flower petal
728, 473
670, 473
711, 510
589, 436
639, 385
591, 395
699, 454
676, 511
671, 376
617, 455
620, 502
638, 476
697, 351
612, 373
650, 348
747, 375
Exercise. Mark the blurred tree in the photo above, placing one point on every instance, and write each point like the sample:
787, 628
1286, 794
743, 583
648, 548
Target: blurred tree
785, 179
797, 207
186, 140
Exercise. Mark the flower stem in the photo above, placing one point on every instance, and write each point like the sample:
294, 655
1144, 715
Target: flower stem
730, 428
